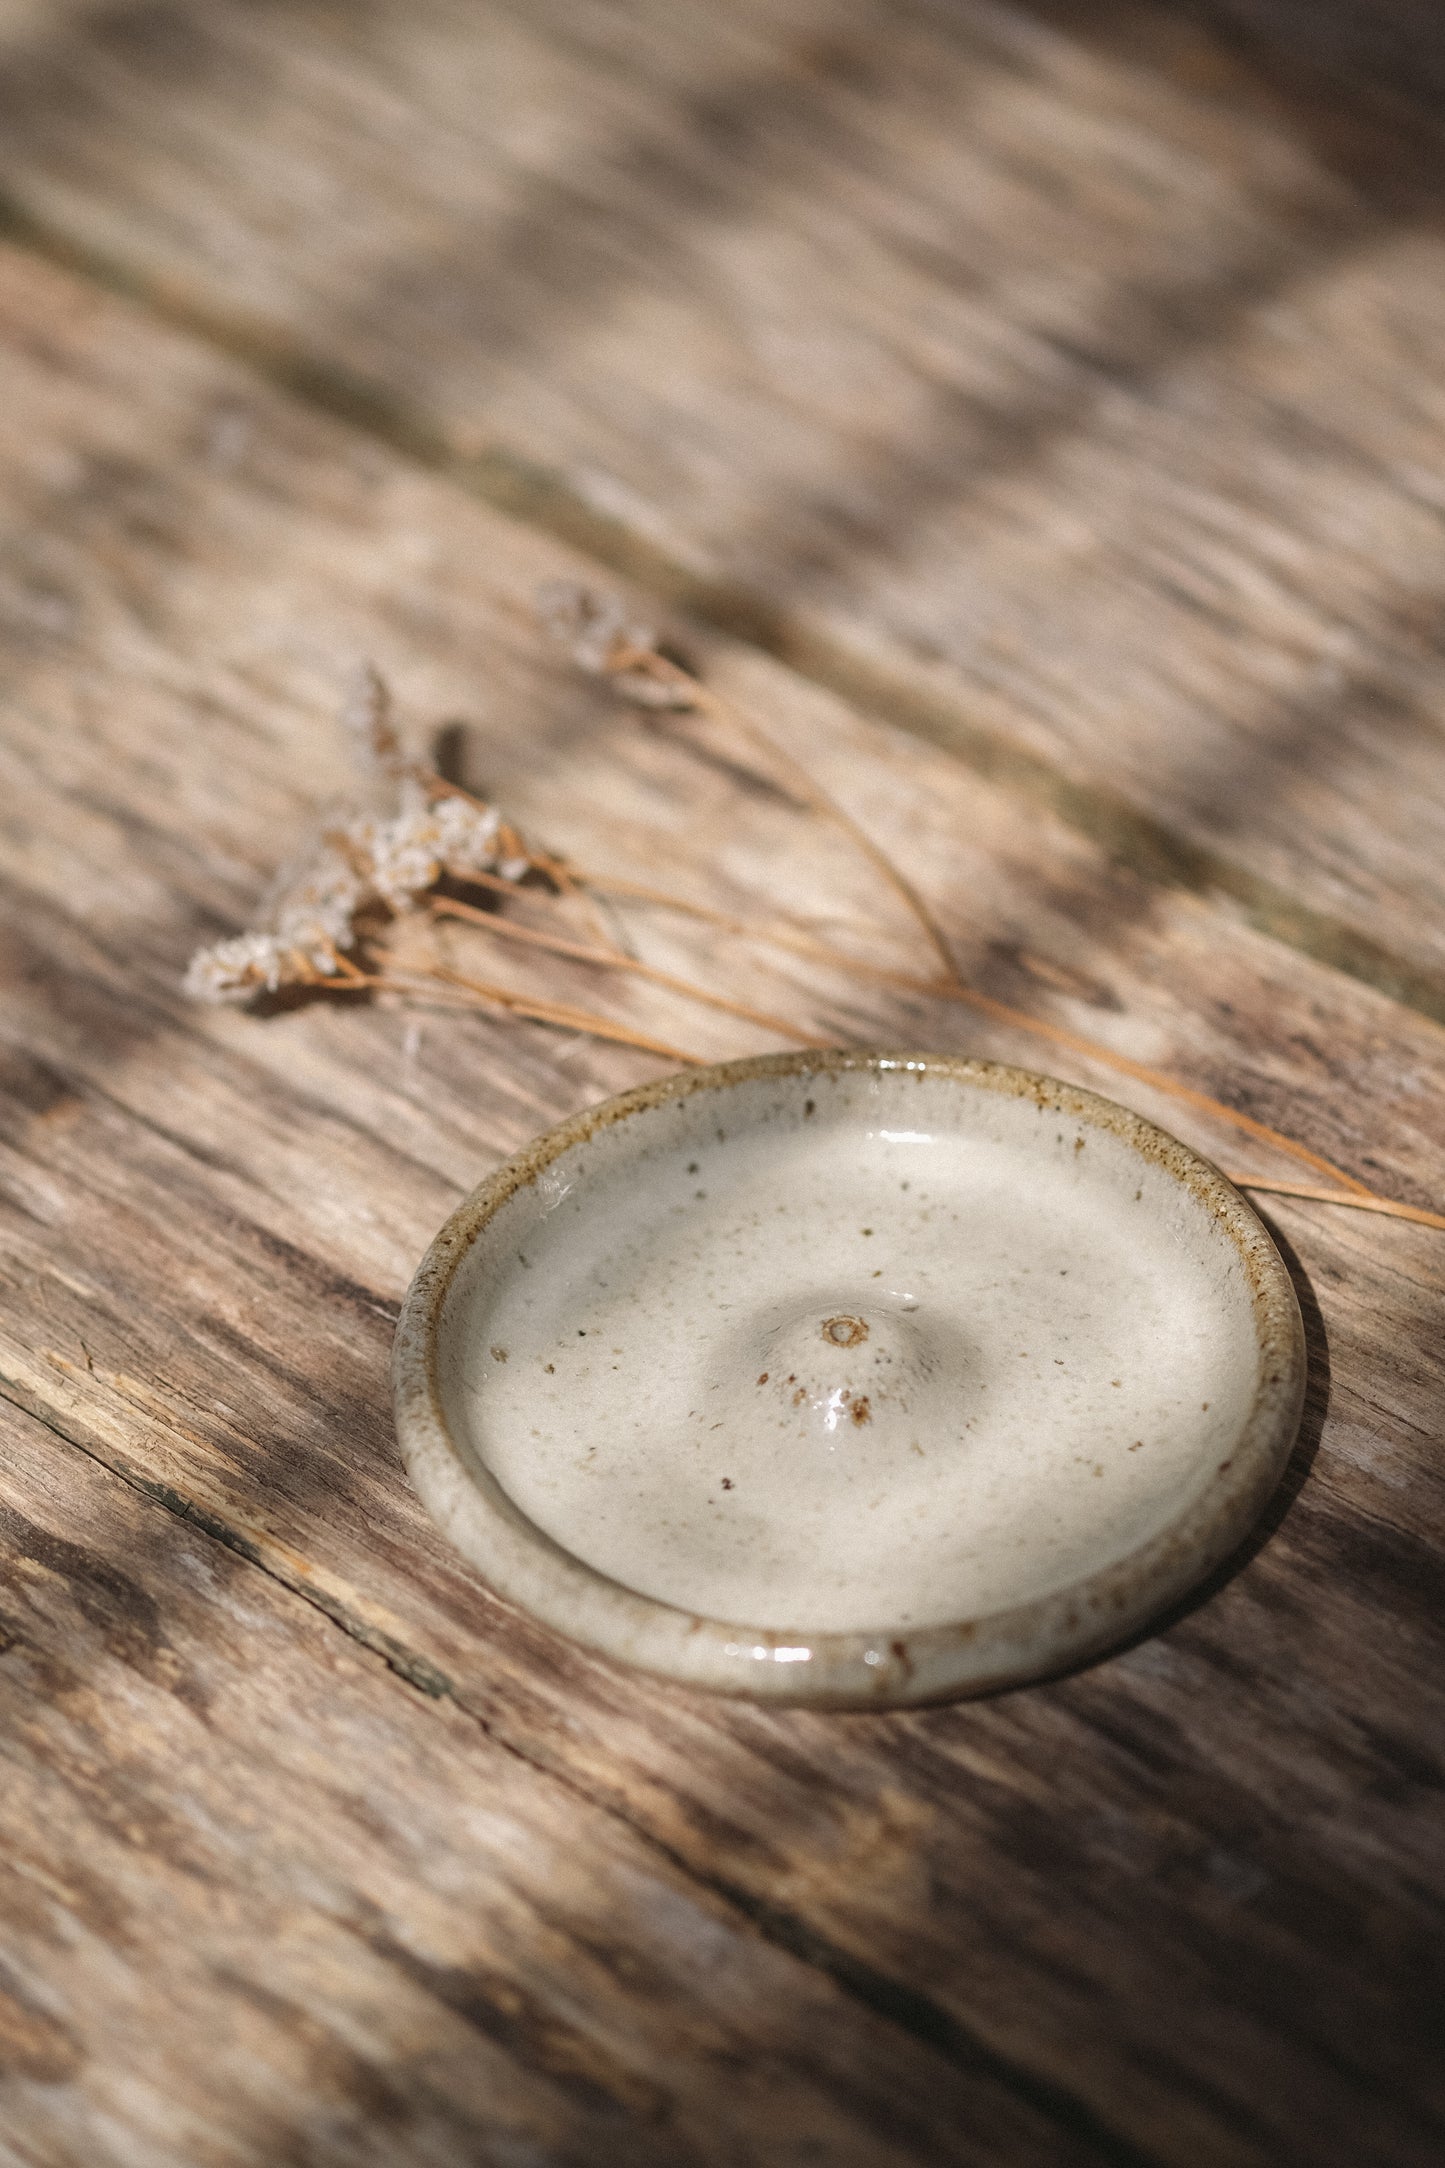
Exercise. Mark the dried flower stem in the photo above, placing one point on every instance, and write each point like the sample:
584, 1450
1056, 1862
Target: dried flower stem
558, 1012
613, 959
421, 985
775, 934
392, 864
450, 989
726, 712
566, 883
345, 970
566, 886
957, 990
1369, 1202
1093, 1050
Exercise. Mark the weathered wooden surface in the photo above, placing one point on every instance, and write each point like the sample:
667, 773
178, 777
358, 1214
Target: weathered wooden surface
1181, 1908
1062, 379
263, 1906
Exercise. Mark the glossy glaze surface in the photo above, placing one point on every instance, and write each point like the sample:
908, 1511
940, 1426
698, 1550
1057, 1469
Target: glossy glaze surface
924, 1370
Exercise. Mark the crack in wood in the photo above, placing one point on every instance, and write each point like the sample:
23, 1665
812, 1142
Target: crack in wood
916, 2014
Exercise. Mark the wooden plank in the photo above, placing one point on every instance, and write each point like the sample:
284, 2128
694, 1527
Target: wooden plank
1180, 1906
1054, 379
261, 1905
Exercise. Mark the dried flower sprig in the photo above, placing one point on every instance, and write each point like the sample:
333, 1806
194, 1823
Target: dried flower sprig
377, 867
373, 868
609, 959
594, 630
368, 866
368, 869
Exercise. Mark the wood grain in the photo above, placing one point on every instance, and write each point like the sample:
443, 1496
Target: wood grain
1056, 379
1181, 1908
263, 1906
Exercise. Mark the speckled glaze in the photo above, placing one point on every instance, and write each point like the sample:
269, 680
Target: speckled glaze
854, 1379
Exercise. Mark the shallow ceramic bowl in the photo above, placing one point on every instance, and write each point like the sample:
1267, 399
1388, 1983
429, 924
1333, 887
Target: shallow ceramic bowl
854, 1379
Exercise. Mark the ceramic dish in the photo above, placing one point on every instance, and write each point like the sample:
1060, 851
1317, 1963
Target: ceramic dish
850, 1378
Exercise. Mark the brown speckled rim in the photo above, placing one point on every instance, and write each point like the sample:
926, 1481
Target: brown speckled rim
851, 1670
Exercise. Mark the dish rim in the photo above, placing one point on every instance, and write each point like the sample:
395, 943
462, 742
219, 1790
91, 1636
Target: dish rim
1036, 1638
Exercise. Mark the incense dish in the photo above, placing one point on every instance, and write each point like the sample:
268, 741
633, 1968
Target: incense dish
850, 1379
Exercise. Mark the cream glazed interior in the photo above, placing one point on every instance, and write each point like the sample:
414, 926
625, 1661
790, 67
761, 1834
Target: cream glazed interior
850, 1378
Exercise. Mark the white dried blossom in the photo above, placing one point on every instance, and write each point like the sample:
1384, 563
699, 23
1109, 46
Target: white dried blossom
318, 906
234, 970
593, 627
467, 839
307, 925
396, 858
374, 863
402, 857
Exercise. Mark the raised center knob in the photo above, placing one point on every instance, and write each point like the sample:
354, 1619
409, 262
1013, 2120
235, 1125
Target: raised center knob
829, 1371
845, 1331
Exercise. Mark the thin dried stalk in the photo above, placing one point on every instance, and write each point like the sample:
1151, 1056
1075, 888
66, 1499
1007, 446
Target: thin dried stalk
775, 934
420, 985
957, 990
1002, 1013
559, 1012
613, 960
566, 883
392, 864
566, 887
344, 969
1369, 1202
732, 717
594, 629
